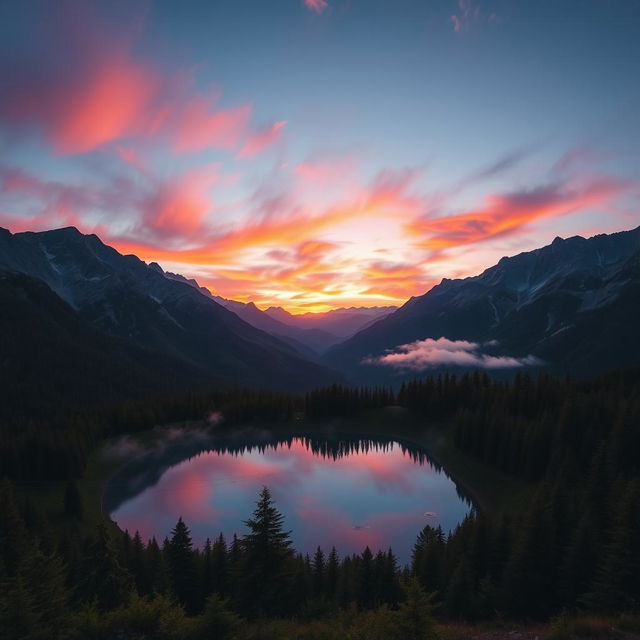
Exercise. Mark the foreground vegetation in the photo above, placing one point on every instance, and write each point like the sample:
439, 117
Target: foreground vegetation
570, 553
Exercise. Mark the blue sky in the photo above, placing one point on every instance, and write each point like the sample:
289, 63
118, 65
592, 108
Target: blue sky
318, 154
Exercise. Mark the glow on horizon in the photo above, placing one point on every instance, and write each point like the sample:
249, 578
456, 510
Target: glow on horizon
260, 201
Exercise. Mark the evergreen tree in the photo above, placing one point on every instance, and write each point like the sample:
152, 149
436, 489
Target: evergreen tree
414, 618
217, 621
182, 567
617, 584
365, 580
220, 566
104, 581
156, 569
44, 577
333, 569
18, 617
318, 568
265, 583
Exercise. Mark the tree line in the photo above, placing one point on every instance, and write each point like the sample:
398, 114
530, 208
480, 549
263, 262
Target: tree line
575, 545
69, 585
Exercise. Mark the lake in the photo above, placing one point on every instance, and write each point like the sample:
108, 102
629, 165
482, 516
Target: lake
347, 492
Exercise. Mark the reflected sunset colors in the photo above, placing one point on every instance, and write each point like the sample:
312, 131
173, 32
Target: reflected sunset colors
347, 494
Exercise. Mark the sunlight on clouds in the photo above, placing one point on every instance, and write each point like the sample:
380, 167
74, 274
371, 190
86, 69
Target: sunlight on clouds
158, 164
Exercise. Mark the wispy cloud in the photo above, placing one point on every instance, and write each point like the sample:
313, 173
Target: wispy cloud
429, 353
159, 164
318, 6
97, 89
507, 214
262, 139
470, 14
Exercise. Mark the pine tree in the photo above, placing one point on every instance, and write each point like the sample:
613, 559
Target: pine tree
44, 577
138, 566
156, 568
182, 567
103, 579
616, 586
18, 618
318, 568
365, 580
220, 567
333, 569
265, 583
217, 620
414, 618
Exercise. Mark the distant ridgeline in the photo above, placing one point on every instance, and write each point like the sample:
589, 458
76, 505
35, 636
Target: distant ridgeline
571, 307
574, 545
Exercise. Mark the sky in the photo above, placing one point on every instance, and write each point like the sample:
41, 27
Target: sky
315, 154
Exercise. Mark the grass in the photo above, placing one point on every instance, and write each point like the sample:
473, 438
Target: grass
574, 627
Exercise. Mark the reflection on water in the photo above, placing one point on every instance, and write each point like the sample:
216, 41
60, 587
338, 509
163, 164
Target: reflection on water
342, 492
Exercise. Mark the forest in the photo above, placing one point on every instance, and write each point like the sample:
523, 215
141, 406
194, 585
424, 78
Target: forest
572, 549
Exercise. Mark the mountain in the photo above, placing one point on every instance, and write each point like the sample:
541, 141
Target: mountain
49, 351
124, 298
342, 322
308, 342
572, 306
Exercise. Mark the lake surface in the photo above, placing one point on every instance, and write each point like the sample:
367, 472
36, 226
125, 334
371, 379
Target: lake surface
342, 492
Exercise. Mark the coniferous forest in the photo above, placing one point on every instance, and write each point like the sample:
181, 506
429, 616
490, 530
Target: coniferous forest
572, 549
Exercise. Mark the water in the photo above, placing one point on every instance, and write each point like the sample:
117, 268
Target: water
342, 492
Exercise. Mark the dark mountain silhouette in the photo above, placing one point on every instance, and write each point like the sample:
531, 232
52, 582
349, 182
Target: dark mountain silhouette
573, 304
51, 357
125, 298
340, 323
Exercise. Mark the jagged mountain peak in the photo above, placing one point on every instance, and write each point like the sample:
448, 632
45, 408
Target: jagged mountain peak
124, 297
533, 303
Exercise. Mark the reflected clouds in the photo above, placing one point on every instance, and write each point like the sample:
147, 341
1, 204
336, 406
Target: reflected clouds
342, 493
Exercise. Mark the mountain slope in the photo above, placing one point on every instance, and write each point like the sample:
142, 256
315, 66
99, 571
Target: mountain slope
50, 351
343, 322
574, 304
126, 298
309, 342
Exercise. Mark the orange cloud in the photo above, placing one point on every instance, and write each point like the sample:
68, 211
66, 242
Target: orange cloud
507, 214
373, 244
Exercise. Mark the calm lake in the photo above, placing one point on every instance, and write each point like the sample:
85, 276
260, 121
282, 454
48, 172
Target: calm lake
347, 492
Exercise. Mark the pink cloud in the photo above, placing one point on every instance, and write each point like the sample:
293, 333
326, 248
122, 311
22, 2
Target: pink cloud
259, 141
429, 353
95, 89
316, 5
177, 208
198, 126
469, 15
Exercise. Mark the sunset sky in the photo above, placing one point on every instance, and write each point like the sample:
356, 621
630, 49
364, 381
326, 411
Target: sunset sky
321, 153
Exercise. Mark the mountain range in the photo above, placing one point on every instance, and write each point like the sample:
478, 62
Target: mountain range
310, 333
136, 308
570, 307
80, 319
